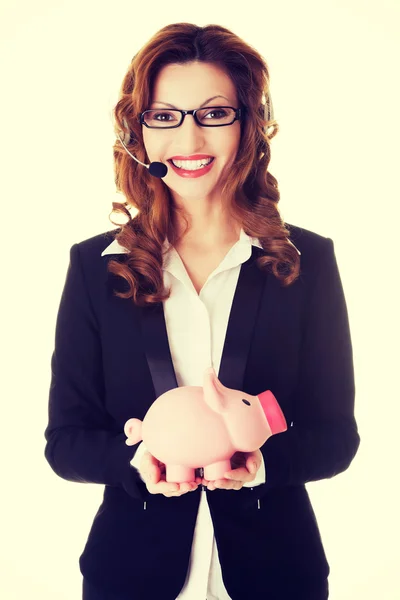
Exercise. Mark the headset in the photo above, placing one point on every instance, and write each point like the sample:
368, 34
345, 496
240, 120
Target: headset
159, 169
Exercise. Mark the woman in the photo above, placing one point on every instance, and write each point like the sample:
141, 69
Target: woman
207, 273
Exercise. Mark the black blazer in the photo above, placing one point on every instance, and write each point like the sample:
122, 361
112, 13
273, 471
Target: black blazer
112, 360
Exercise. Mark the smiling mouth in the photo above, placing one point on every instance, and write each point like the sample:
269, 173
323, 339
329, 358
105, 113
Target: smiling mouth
195, 165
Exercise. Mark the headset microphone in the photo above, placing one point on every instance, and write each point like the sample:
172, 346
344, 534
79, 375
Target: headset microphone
157, 169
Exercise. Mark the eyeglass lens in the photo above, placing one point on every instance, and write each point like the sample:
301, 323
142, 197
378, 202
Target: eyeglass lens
210, 116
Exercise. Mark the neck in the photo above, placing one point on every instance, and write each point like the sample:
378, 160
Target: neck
207, 228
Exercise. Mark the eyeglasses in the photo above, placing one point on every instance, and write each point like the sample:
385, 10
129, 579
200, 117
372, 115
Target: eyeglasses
208, 116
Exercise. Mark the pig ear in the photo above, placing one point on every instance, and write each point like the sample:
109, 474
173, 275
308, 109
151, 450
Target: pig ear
214, 391
210, 375
133, 431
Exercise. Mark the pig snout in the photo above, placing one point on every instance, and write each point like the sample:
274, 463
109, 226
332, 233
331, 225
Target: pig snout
273, 412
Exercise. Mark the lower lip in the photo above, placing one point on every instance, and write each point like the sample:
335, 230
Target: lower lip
196, 173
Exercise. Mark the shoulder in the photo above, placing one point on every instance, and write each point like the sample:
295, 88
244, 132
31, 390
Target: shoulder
315, 248
307, 241
317, 253
93, 247
87, 259
87, 255
94, 252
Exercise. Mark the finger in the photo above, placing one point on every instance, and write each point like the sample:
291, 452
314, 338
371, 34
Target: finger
184, 488
151, 464
251, 465
148, 465
224, 484
232, 485
220, 484
172, 489
169, 488
154, 473
163, 487
148, 459
208, 484
239, 475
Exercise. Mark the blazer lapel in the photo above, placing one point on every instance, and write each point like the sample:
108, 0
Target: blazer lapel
242, 320
241, 323
156, 348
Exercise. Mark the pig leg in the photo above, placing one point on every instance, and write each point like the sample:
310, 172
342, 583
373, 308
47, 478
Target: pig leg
179, 474
217, 470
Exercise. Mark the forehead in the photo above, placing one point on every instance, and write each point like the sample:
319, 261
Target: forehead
189, 85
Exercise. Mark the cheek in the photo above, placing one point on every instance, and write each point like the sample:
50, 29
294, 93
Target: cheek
226, 150
231, 149
151, 145
232, 144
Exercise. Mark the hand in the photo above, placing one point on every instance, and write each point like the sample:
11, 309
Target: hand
242, 471
152, 472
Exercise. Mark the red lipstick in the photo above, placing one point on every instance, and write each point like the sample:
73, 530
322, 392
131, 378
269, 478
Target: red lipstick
191, 157
192, 174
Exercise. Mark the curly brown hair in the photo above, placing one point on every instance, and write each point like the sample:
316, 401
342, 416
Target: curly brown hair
250, 194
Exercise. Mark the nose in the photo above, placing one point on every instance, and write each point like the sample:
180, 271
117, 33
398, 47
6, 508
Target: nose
189, 132
273, 412
188, 137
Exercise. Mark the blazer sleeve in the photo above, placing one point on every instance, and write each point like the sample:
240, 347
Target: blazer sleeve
83, 442
323, 438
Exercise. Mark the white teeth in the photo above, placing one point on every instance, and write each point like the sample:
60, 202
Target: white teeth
191, 165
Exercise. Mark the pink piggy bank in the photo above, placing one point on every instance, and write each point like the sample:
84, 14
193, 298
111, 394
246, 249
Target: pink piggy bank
190, 427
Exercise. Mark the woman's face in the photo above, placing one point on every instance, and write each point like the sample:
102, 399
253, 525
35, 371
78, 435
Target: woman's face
188, 87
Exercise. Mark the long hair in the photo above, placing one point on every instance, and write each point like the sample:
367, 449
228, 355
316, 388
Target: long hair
250, 193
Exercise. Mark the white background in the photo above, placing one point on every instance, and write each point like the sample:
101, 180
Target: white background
335, 89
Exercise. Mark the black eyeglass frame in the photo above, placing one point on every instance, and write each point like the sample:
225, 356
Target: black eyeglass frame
239, 112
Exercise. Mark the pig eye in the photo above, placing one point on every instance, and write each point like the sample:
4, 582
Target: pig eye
246, 402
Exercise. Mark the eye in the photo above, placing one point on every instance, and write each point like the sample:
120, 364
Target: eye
222, 113
246, 402
162, 114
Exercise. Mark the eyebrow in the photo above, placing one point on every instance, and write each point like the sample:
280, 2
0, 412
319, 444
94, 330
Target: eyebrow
204, 103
